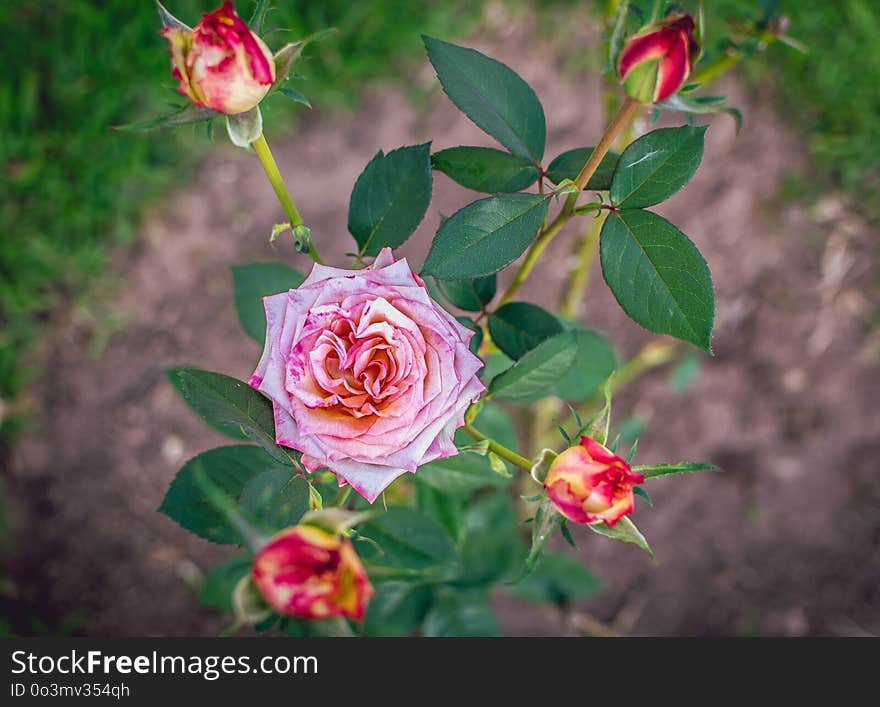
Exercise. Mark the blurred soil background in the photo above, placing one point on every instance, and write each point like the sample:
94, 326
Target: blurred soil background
105, 284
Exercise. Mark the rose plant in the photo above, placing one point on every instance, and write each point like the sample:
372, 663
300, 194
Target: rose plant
396, 381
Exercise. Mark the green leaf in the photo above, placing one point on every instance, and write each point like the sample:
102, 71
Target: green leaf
486, 169
462, 474
569, 165
486, 236
656, 166
229, 469
652, 471
233, 431
217, 588
448, 509
625, 531
492, 96
278, 498
390, 198
539, 369
408, 539
295, 96
397, 608
294, 628
518, 327
490, 549
254, 281
658, 276
461, 614
471, 295
557, 579
226, 404
594, 362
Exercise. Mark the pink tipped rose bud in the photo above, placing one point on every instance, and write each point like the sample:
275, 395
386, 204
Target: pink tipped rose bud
368, 376
656, 62
309, 573
589, 484
221, 64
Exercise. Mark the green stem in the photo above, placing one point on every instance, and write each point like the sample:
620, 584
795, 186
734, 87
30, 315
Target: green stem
341, 496
621, 119
580, 274
499, 449
654, 354
261, 147
714, 69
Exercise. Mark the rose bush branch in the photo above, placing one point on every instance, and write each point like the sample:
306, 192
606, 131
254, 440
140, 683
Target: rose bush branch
499, 449
372, 380
621, 119
300, 231
226, 69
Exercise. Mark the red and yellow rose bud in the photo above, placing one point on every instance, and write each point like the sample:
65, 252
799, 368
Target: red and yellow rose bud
589, 484
310, 573
221, 64
655, 63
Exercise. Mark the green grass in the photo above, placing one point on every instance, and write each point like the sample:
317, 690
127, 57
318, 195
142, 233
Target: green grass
832, 92
74, 188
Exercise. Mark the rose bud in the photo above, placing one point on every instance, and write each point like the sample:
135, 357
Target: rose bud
589, 484
656, 62
221, 64
368, 376
310, 573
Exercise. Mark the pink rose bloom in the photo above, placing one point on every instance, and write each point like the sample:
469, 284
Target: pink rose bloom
221, 64
368, 376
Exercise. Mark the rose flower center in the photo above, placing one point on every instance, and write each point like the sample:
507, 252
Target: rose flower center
362, 366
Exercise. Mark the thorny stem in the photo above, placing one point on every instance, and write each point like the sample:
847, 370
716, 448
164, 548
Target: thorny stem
499, 449
620, 120
261, 147
653, 354
580, 273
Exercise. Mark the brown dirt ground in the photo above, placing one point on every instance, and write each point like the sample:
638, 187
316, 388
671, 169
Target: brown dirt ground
784, 542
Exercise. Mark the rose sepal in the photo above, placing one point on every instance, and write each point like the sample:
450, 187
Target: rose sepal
625, 531
544, 524
186, 115
169, 20
541, 465
700, 105
244, 128
247, 602
337, 521
289, 54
